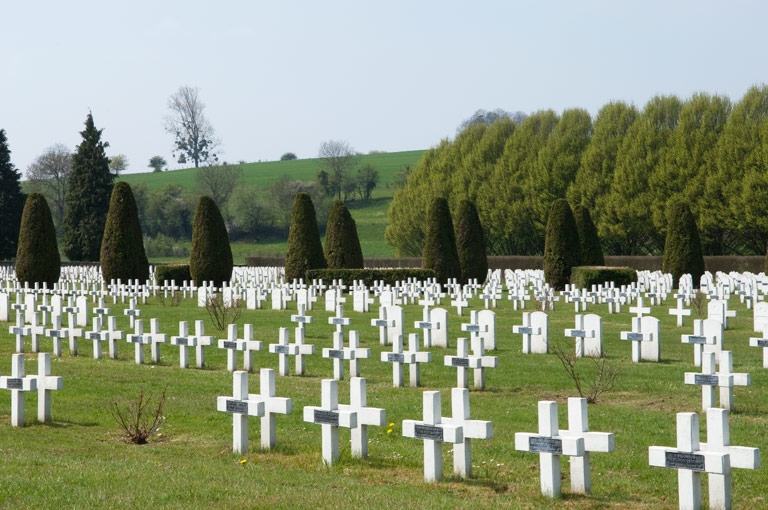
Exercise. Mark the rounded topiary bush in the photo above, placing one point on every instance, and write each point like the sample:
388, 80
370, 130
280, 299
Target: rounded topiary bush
561, 245
470, 243
342, 246
439, 252
122, 245
682, 247
37, 254
591, 252
210, 257
305, 251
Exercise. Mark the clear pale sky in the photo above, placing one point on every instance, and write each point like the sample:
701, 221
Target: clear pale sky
279, 76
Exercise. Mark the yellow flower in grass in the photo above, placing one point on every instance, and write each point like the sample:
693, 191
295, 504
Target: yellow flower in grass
243, 461
389, 431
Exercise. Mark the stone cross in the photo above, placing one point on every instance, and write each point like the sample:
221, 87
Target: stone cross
689, 460
550, 446
283, 349
397, 357
737, 379
331, 418
578, 427
741, 457
360, 353
434, 433
240, 405
636, 336
339, 320
527, 331
139, 340
358, 403
705, 332
18, 385
57, 334
201, 341
579, 333
473, 429
272, 405
35, 331
132, 312
418, 358
478, 351
302, 349
184, 342
460, 302
382, 323
156, 338
20, 330
708, 380
639, 309
114, 336
45, 384
250, 346
761, 342
96, 335
680, 311
462, 362
73, 331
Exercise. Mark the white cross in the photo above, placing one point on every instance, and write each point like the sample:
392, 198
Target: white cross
434, 433
418, 358
550, 446
240, 405
56, 333
358, 403
338, 354
35, 331
426, 326
698, 339
201, 342
737, 378
462, 362
708, 380
478, 351
680, 311
184, 342
20, 330
472, 429
339, 320
132, 312
283, 349
301, 349
232, 345
331, 418
18, 385
73, 332
397, 357
636, 336
360, 353
640, 310
156, 338
272, 405
460, 302
383, 323
139, 340
689, 460
114, 335
45, 384
578, 427
579, 333
250, 345
96, 335
527, 331
761, 342
741, 457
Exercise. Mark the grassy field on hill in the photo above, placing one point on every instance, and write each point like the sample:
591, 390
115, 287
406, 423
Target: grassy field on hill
371, 217
80, 460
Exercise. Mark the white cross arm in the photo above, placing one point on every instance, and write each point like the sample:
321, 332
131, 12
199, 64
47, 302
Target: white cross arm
758, 342
580, 333
337, 321
383, 323
49, 382
348, 354
302, 319
742, 457
458, 361
474, 328
489, 361
19, 330
698, 339
336, 418
703, 462
426, 325
278, 405
680, 311
442, 432
526, 330
593, 441
367, 415
398, 357
252, 345
18, 383
528, 442
635, 336
233, 405
283, 349
184, 341
719, 380
473, 429
235, 345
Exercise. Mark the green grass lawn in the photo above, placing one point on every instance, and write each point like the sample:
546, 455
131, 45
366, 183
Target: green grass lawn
80, 460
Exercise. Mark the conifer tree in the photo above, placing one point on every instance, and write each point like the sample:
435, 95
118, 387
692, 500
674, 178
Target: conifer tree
470, 243
305, 251
342, 245
37, 258
87, 200
682, 247
122, 247
11, 201
561, 245
210, 257
439, 253
590, 252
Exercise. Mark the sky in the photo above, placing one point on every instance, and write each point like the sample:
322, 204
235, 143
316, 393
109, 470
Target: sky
284, 76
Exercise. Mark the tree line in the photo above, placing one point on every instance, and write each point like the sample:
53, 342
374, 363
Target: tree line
626, 166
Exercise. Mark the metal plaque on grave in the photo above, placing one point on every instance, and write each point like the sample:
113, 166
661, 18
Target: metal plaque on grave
326, 417
229, 345
182, 341
697, 339
679, 460
423, 325
281, 349
541, 444
17, 331
237, 406
94, 336
136, 339
472, 328
762, 343
460, 362
300, 319
525, 330
336, 354
395, 358
428, 432
635, 337
578, 333
705, 380
15, 383
381, 323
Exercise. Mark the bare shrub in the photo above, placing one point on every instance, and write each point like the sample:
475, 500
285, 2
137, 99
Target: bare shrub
139, 419
222, 315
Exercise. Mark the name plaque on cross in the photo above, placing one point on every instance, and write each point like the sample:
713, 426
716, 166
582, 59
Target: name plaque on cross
762, 343
380, 323
94, 336
58, 334
395, 358
15, 383
229, 345
326, 418
17, 331
475, 328
182, 341
524, 330
697, 339
635, 337
135, 339
705, 380
336, 354
428, 432
299, 319
339, 321
237, 406
281, 349
578, 333
680, 460
540, 444
460, 362
423, 325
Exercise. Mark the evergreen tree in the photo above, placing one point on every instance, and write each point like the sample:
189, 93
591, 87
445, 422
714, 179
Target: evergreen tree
37, 258
210, 257
88, 194
470, 243
561, 245
122, 247
342, 246
11, 201
305, 251
682, 248
590, 252
439, 253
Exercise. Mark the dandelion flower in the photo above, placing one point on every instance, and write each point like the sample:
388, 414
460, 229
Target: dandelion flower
389, 431
392, 424
243, 461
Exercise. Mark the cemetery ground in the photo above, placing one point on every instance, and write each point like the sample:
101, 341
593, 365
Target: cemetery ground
81, 459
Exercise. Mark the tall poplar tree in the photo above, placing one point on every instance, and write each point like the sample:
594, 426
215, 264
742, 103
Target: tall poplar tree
88, 194
11, 201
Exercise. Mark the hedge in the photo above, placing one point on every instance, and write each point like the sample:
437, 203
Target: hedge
179, 273
583, 277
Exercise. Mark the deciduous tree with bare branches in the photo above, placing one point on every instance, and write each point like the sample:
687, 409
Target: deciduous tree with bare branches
193, 136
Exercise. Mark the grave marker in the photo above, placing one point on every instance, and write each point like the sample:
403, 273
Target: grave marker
240, 405
18, 385
272, 405
330, 417
45, 384
472, 429
358, 403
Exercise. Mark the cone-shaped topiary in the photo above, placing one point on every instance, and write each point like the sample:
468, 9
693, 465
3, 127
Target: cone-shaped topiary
561, 245
210, 257
122, 246
682, 248
342, 246
439, 252
591, 252
37, 255
470, 243
305, 251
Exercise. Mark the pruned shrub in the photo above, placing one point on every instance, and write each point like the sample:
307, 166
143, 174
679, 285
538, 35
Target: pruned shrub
590, 251
561, 245
179, 273
37, 253
342, 245
583, 277
682, 248
122, 247
439, 252
470, 243
210, 258
304, 251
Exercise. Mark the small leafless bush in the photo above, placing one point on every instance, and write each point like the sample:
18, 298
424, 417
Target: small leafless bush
222, 315
697, 302
173, 300
139, 419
